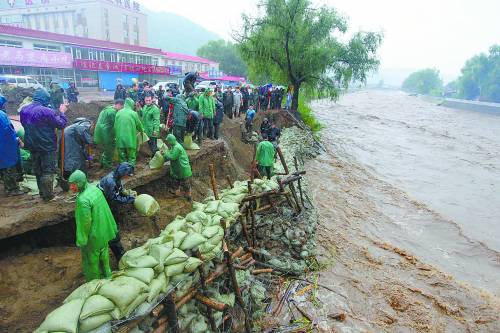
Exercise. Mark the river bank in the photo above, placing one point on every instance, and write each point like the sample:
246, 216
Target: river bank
395, 264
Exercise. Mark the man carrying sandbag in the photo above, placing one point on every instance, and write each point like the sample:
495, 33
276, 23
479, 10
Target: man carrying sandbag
116, 196
180, 169
95, 227
104, 133
127, 125
265, 158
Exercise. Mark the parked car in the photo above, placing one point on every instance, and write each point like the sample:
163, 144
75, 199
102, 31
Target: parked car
20, 81
172, 85
205, 84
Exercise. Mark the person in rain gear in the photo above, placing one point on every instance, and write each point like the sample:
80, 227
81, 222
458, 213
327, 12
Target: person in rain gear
95, 227
207, 110
39, 122
133, 93
250, 114
265, 158
127, 125
265, 128
189, 81
192, 101
104, 133
219, 115
193, 125
56, 95
72, 93
180, 114
9, 153
26, 165
180, 169
120, 92
150, 115
76, 138
227, 101
274, 135
116, 196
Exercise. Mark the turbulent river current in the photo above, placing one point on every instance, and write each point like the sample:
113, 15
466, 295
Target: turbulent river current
442, 169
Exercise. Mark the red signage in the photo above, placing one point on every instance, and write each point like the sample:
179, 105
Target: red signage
121, 67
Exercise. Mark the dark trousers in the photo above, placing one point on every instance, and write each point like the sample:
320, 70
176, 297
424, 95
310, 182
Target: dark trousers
184, 184
179, 133
208, 128
265, 171
44, 168
153, 145
10, 178
228, 110
216, 130
115, 244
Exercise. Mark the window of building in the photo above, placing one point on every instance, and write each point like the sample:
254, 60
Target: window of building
78, 54
10, 43
44, 47
46, 22
125, 20
113, 57
155, 61
37, 22
101, 55
55, 18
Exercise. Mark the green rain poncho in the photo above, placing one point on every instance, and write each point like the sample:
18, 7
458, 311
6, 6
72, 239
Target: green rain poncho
265, 154
207, 105
127, 124
104, 133
151, 120
180, 110
192, 102
95, 227
179, 160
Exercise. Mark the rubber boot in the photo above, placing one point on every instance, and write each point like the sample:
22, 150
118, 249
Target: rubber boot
188, 196
63, 184
117, 248
47, 188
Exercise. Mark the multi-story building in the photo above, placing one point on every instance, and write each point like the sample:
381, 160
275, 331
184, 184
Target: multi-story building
119, 21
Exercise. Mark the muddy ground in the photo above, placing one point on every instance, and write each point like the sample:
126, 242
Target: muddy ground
39, 268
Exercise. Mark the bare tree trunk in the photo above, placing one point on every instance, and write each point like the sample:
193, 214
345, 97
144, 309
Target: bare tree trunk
295, 97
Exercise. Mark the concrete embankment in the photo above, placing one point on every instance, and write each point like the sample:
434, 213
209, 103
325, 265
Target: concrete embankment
470, 105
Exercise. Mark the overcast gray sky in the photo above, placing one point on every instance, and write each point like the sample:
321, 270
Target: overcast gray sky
418, 34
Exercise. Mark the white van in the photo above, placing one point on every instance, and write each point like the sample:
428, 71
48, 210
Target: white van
20, 81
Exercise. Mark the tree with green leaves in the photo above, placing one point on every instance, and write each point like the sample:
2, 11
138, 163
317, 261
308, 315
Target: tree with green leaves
294, 42
480, 77
426, 82
226, 54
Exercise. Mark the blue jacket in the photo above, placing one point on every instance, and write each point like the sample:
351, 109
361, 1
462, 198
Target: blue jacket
112, 187
9, 146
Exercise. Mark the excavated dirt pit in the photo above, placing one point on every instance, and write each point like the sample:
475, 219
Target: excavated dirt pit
39, 264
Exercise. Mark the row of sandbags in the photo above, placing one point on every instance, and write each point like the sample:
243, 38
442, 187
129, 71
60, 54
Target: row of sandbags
147, 272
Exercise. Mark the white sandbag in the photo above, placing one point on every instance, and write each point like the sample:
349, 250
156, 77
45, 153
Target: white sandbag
145, 275
192, 264
192, 240
132, 306
85, 290
157, 161
91, 323
211, 231
175, 269
146, 205
176, 237
96, 305
123, 291
63, 319
228, 209
140, 262
212, 206
156, 287
177, 256
197, 216
206, 247
160, 252
175, 225
198, 206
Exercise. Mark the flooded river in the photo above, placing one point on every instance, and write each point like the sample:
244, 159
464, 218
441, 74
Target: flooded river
433, 178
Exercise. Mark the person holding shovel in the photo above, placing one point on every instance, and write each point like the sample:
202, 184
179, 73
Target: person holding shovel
95, 227
180, 169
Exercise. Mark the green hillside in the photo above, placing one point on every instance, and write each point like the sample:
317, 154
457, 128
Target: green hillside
174, 33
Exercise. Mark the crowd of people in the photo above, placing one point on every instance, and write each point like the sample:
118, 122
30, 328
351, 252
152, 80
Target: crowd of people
163, 114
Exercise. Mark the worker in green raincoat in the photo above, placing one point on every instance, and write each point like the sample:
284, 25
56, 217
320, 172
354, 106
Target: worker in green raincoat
265, 158
104, 133
95, 227
192, 101
180, 169
150, 115
180, 115
207, 110
127, 125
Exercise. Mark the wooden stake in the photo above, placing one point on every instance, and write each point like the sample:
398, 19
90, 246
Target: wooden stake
295, 162
262, 271
211, 304
294, 195
213, 181
229, 181
203, 284
282, 159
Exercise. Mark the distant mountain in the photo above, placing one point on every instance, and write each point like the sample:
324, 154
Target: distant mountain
394, 77
174, 33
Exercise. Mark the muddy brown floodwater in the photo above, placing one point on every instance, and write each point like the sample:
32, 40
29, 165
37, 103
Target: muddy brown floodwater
385, 247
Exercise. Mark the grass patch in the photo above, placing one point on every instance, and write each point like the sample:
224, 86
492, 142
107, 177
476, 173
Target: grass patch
308, 116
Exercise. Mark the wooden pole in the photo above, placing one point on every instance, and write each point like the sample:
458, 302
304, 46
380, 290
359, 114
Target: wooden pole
253, 165
211, 304
171, 314
229, 181
295, 162
203, 284
213, 181
244, 229
294, 195
282, 159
